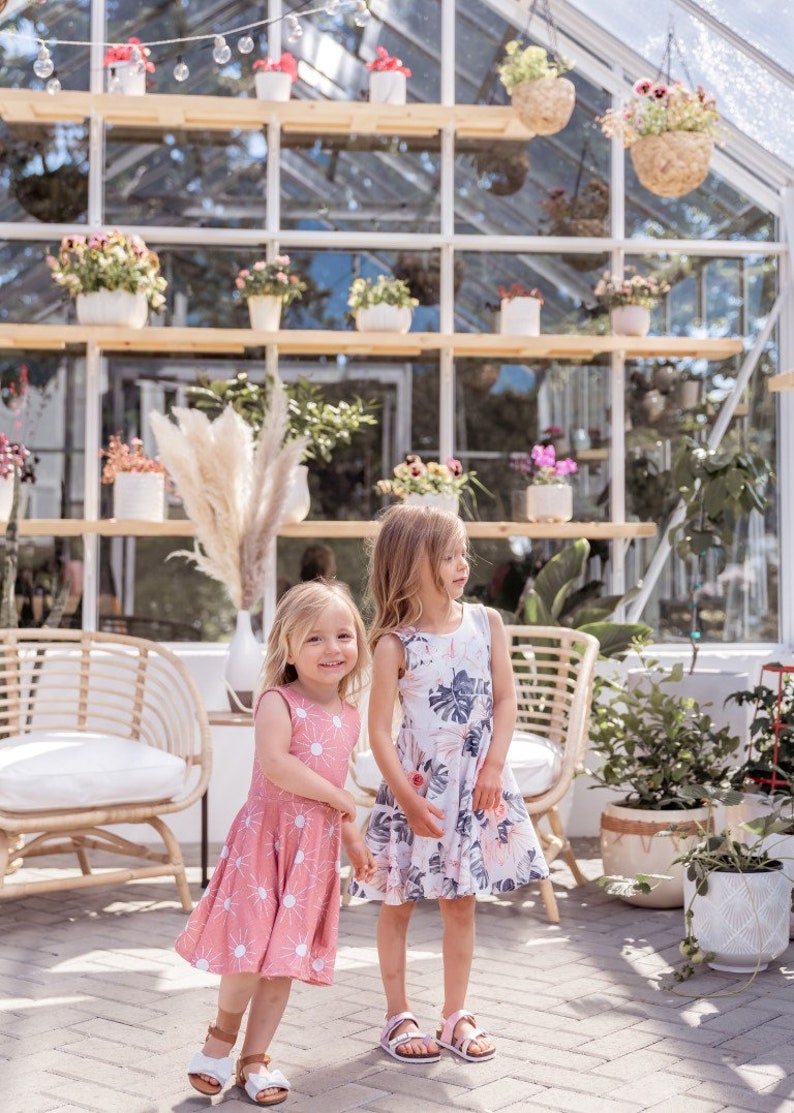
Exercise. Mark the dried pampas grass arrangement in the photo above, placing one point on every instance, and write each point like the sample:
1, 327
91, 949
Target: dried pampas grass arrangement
234, 488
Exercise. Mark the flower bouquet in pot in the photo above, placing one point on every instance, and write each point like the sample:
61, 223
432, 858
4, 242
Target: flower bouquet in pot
387, 78
114, 278
519, 310
547, 496
542, 98
382, 305
127, 65
138, 480
433, 483
267, 287
630, 300
669, 130
274, 77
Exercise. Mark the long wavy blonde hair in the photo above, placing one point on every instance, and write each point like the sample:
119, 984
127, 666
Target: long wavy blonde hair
406, 534
296, 615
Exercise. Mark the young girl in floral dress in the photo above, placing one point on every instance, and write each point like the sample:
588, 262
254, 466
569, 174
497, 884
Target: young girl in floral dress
449, 821
271, 911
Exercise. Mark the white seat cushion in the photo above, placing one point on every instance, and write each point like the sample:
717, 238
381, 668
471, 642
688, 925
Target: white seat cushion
44, 770
535, 760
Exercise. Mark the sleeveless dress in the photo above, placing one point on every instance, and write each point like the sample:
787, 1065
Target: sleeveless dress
272, 904
446, 699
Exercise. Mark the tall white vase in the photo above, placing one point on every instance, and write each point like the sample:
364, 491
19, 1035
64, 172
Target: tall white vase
298, 502
243, 665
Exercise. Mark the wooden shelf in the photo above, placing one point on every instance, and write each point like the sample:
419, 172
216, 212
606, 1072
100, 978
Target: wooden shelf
58, 337
164, 111
784, 381
182, 527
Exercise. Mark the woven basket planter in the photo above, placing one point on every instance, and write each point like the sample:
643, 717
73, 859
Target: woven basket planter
674, 163
544, 105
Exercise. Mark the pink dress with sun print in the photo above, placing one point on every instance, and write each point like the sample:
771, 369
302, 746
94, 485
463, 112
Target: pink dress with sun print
272, 904
446, 698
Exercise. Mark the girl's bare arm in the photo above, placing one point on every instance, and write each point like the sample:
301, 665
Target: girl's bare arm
488, 786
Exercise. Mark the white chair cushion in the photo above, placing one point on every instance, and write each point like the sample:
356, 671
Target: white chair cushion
536, 762
43, 770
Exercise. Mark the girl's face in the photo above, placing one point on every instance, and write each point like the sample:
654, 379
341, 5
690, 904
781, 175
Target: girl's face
453, 569
330, 649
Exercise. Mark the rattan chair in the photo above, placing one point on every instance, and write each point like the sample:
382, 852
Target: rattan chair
554, 669
96, 730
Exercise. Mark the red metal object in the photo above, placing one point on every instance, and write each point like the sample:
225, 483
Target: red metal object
776, 682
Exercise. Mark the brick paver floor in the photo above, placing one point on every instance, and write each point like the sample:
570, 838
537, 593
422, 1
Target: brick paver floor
98, 1014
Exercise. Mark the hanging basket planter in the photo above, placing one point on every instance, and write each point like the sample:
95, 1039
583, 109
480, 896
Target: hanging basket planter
673, 163
503, 169
544, 105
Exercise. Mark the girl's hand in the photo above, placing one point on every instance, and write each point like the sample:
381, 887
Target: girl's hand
361, 860
487, 793
422, 815
346, 804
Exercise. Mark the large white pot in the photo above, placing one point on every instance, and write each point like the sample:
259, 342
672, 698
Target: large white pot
298, 500
6, 496
139, 496
243, 664
130, 80
387, 87
435, 499
549, 502
384, 318
520, 316
631, 844
273, 85
630, 320
742, 919
112, 307
264, 311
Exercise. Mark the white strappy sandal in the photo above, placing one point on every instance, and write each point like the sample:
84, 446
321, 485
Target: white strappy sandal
460, 1046
390, 1045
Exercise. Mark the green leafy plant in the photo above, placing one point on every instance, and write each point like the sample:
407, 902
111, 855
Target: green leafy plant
108, 261
613, 292
385, 290
659, 106
278, 279
325, 424
528, 64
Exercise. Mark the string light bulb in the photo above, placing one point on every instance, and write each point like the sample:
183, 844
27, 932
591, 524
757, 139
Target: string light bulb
44, 65
181, 69
53, 86
221, 51
245, 44
361, 14
295, 33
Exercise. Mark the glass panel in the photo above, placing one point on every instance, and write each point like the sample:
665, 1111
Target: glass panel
19, 42
44, 173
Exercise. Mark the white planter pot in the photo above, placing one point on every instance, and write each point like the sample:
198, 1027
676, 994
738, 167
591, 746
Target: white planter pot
630, 844
384, 318
131, 80
243, 665
439, 501
112, 307
298, 500
630, 320
139, 496
549, 502
272, 85
520, 316
743, 918
264, 311
6, 496
387, 87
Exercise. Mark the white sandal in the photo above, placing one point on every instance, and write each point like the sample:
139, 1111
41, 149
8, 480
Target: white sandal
390, 1045
446, 1038
202, 1067
264, 1079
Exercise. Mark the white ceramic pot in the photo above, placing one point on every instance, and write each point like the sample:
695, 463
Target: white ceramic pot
298, 500
264, 311
435, 499
549, 502
130, 80
272, 85
112, 307
630, 320
631, 844
139, 496
243, 664
387, 87
6, 496
384, 318
742, 919
520, 316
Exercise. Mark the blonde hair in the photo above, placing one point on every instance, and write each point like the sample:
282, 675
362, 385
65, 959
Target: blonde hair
296, 615
406, 534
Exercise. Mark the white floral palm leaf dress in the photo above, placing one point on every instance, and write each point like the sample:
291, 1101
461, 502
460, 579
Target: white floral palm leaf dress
446, 700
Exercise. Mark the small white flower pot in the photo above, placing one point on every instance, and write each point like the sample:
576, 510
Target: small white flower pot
272, 85
139, 496
630, 320
131, 80
384, 318
264, 311
387, 87
549, 502
298, 502
520, 317
6, 496
435, 499
112, 307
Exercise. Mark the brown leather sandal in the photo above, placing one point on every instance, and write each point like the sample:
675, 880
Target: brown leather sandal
208, 1074
256, 1082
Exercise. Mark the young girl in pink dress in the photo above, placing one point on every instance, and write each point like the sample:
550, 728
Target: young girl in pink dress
271, 911
449, 821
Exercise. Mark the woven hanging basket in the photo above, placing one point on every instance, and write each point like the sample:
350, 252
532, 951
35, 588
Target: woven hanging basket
673, 163
544, 105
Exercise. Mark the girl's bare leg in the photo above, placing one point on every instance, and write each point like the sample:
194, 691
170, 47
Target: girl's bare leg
264, 1016
457, 915
234, 994
392, 939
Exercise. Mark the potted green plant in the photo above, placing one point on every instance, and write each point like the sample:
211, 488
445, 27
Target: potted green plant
548, 494
384, 304
542, 98
267, 287
442, 485
387, 78
629, 300
138, 480
669, 130
274, 77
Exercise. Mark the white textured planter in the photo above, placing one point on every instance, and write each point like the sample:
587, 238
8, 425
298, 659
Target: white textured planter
387, 87
630, 844
243, 665
298, 500
435, 499
139, 496
264, 311
6, 496
743, 918
384, 318
630, 320
549, 502
272, 85
112, 307
131, 79
520, 316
